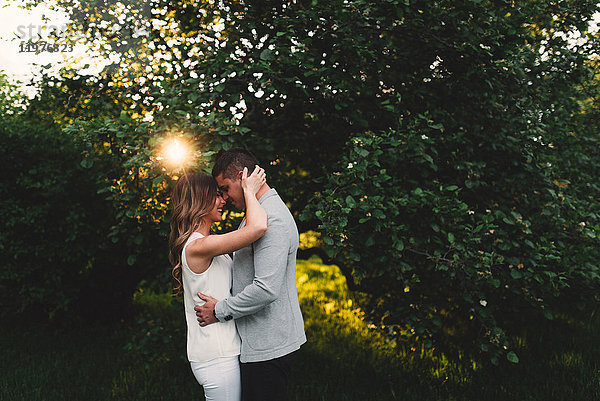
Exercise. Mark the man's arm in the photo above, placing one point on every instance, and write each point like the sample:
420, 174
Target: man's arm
270, 262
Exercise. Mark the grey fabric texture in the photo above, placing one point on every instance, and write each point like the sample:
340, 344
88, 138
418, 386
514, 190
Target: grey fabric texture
264, 301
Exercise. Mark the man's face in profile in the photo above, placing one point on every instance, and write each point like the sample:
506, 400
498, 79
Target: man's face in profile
232, 190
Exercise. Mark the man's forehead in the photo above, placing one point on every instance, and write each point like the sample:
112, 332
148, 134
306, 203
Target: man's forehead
222, 181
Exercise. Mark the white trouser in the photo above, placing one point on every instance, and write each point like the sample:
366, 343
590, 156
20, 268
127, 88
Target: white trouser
220, 378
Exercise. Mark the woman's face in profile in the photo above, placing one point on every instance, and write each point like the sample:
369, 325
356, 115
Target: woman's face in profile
216, 214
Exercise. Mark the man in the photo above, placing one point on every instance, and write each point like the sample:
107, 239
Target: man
264, 300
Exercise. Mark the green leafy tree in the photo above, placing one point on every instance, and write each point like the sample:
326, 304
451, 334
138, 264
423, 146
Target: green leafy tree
52, 220
464, 211
444, 149
84, 217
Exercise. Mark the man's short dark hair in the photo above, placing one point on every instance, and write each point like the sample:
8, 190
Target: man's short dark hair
231, 161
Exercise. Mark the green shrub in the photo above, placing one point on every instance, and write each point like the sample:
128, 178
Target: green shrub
51, 219
436, 241
160, 329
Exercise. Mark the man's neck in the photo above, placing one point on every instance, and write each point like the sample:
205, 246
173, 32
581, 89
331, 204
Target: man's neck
262, 190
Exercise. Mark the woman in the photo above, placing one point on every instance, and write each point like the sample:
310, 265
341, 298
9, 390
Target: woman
201, 264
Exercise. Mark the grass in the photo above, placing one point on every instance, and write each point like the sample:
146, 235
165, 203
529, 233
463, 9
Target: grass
343, 359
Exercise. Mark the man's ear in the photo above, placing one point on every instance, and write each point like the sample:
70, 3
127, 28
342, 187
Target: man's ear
239, 175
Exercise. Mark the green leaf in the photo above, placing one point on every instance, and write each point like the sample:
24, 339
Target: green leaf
378, 213
512, 357
451, 238
350, 201
158, 180
87, 163
362, 152
138, 240
508, 221
267, 55
131, 260
124, 116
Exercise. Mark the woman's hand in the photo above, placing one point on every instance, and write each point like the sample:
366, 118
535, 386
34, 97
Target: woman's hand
252, 184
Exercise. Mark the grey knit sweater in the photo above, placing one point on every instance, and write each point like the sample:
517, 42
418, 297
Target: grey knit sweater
265, 299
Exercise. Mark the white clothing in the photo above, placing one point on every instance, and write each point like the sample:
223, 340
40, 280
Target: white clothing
220, 378
215, 340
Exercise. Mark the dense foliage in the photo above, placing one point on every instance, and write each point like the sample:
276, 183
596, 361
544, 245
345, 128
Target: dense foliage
447, 151
51, 219
77, 213
481, 201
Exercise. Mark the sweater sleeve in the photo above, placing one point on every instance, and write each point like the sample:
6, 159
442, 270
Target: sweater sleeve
270, 263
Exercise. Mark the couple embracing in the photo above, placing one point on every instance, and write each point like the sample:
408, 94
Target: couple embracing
244, 325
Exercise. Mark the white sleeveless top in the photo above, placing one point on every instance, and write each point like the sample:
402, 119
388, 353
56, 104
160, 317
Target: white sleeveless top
216, 340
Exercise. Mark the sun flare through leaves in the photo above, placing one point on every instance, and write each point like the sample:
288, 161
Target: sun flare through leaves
176, 153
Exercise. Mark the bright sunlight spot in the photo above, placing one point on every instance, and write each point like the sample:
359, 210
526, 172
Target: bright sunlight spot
176, 152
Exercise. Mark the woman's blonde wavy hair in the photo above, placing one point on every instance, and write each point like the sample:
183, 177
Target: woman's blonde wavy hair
193, 198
